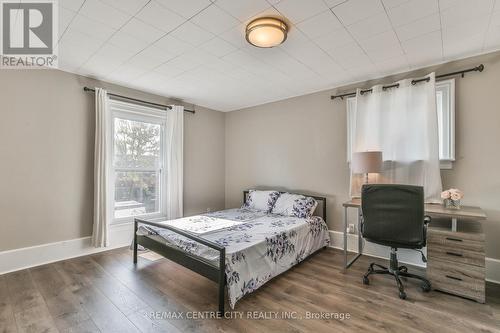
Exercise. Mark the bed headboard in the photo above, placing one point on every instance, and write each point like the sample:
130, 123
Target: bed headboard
321, 202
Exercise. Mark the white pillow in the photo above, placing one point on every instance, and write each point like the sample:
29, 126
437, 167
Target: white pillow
295, 205
261, 200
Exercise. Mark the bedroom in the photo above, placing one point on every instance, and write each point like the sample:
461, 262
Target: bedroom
262, 118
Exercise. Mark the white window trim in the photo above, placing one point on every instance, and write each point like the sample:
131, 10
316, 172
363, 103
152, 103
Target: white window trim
446, 163
124, 110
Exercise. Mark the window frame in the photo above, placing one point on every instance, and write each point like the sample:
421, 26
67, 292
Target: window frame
135, 112
448, 87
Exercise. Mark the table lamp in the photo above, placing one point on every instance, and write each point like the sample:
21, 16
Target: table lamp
367, 162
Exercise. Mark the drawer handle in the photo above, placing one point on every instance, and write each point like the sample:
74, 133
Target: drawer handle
453, 278
454, 239
455, 254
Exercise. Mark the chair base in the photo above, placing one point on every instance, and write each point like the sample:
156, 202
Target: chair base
397, 272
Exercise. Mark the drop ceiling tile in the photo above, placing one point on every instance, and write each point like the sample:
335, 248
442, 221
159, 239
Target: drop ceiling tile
333, 3
412, 10
104, 13
353, 11
191, 60
236, 36
380, 41
215, 20
465, 10
187, 9
371, 26
156, 54
298, 10
110, 57
419, 27
497, 6
192, 34
91, 28
243, 9
127, 42
142, 31
467, 29
393, 3
126, 74
217, 47
351, 56
73, 5
393, 65
65, 17
388, 52
454, 48
160, 17
428, 41
173, 45
320, 24
128, 6
334, 39
492, 40
169, 70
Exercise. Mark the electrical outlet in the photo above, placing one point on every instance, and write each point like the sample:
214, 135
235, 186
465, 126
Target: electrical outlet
351, 229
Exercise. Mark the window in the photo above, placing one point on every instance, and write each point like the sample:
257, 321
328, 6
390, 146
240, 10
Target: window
138, 158
445, 102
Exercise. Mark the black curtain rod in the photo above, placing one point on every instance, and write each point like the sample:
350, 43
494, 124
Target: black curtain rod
479, 68
156, 105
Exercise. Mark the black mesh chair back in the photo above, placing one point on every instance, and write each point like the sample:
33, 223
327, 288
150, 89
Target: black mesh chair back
393, 215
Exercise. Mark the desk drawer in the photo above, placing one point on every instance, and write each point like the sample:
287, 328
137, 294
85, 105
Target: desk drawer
459, 279
454, 241
455, 254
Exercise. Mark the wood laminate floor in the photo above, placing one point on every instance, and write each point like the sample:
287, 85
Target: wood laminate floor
107, 293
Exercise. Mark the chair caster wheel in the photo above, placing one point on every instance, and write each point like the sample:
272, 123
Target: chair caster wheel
402, 295
365, 280
426, 287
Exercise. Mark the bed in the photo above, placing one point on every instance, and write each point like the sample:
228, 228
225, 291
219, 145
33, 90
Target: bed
240, 248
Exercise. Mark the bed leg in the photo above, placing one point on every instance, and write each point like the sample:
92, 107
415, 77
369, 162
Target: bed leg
222, 281
135, 241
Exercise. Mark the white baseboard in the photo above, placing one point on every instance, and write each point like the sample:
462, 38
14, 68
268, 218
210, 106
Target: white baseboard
13, 260
405, 256
121, 235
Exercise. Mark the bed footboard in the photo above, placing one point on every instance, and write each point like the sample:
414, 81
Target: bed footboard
192, 262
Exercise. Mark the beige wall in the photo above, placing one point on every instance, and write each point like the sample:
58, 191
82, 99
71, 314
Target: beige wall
300, 144
46, 156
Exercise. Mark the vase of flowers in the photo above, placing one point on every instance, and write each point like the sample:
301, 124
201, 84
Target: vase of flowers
451, 198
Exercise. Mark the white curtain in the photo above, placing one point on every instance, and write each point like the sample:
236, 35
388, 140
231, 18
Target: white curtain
101, 166
403, 124
175, 162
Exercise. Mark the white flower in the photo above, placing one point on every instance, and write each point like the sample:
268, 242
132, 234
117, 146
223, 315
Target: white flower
445, 195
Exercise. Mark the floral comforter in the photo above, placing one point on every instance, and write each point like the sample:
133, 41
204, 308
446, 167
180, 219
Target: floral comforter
259, 246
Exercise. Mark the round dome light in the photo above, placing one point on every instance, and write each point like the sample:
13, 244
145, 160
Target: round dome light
266, 32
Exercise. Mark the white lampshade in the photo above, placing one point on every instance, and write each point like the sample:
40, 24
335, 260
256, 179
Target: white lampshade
367, 162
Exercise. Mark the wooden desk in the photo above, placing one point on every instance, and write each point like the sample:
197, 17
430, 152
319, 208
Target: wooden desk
454, 256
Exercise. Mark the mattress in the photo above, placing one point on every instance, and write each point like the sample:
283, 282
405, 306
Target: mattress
259, 246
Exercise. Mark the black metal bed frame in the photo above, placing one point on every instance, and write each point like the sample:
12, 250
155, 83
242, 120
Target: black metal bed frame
195, 263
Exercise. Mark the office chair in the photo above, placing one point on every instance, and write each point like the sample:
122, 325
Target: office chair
393, 215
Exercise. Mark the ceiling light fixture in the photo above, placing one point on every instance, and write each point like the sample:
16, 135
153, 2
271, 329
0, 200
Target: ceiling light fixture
266, 32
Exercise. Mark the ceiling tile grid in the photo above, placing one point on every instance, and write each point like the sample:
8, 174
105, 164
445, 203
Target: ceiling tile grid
196, 50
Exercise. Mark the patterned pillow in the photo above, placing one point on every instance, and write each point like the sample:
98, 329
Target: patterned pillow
295, 205
261, 200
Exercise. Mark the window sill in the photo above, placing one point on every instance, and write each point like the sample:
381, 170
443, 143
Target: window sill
446, 164
130, 220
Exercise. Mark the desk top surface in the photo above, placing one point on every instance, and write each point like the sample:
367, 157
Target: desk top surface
469, 212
